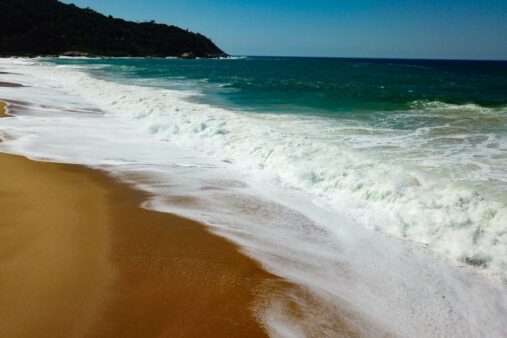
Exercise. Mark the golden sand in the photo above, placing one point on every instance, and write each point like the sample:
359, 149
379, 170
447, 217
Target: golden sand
79, 258
3, 109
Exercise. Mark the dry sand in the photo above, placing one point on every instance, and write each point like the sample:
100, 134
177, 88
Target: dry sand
79, 258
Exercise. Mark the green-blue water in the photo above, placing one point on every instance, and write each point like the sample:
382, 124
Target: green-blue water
326, 85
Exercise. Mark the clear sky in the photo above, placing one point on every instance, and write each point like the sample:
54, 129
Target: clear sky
462, 29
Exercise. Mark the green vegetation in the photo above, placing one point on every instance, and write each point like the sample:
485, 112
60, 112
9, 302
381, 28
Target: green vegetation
49, 27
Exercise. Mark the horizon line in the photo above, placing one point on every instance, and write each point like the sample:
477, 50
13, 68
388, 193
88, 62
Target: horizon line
371, 58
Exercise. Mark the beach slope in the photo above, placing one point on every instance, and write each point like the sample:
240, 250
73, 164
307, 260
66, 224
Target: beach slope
81, 258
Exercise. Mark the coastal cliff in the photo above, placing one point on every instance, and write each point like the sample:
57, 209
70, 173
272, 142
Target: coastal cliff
51, 28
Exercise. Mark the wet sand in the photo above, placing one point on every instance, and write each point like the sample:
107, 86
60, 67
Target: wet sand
79, 258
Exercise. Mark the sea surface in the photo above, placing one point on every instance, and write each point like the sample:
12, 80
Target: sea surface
388, 177
416, 149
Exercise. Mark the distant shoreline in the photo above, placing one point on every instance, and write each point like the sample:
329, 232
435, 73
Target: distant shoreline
76, 54
53, 28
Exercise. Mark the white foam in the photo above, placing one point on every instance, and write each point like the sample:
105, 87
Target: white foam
285, 219
433, 186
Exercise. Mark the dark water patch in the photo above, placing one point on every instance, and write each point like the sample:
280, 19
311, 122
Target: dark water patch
480, 261
10, 85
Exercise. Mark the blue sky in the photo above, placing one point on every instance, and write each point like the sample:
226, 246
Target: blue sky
357, 28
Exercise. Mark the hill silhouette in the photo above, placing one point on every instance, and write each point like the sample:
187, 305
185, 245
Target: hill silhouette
49, 27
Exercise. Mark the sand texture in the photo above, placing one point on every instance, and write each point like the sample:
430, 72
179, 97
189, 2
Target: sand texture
79, 258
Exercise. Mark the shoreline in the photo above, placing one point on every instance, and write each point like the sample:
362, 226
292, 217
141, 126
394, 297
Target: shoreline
339, 272
154, 273
83, 258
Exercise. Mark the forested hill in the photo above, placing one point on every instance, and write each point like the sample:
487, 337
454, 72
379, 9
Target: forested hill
49, 27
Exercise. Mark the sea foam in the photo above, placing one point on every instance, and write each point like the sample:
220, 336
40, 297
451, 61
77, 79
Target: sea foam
440, 186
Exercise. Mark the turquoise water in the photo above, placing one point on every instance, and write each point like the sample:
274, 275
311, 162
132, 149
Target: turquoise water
413, 148
322, 85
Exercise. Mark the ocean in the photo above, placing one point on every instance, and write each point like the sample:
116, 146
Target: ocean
413, 148
379, 185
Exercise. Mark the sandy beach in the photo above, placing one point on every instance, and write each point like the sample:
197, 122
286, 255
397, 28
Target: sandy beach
81, 258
